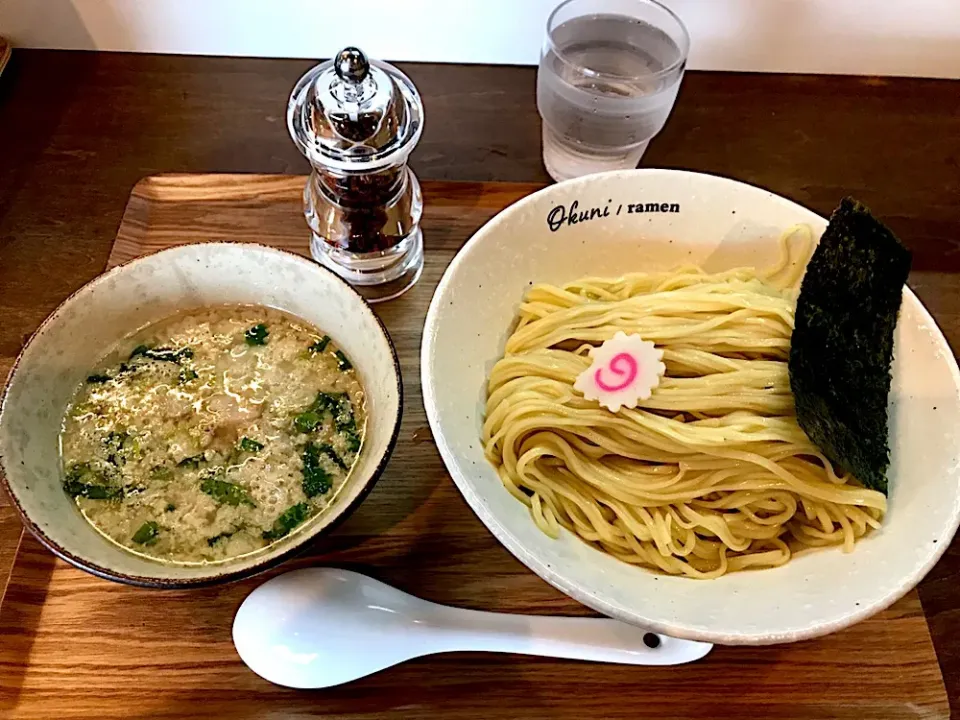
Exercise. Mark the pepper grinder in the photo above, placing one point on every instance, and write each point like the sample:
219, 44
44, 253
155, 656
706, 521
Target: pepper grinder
357, 121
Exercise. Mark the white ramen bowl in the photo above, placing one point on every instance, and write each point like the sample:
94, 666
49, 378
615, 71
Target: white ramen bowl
716, 223
70, 342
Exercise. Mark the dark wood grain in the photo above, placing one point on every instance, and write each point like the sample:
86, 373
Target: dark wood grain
416, 532
78, 130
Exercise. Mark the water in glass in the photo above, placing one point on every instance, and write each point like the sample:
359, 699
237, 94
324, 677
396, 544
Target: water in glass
606, 85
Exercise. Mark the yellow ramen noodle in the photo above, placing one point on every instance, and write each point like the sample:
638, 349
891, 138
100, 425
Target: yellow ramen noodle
712, 473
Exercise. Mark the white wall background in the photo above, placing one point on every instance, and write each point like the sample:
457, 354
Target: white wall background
882, 37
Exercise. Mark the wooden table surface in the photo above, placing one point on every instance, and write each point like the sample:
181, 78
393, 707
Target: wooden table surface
78, 130
415, 532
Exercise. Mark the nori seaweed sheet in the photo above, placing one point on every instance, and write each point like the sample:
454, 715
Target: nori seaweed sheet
842, 343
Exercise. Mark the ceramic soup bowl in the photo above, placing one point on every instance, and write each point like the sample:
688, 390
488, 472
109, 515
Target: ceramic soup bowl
72, 340
649, 220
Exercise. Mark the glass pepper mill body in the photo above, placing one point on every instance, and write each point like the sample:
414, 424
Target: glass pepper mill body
357, 121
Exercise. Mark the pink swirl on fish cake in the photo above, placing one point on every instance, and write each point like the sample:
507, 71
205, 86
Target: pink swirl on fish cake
622, 364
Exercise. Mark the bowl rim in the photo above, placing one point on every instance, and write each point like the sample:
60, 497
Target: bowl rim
267, 563
553, 575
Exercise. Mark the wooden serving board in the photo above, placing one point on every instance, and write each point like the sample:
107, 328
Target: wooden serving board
74, 646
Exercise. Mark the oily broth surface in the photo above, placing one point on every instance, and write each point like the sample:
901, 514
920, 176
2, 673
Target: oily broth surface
170, 448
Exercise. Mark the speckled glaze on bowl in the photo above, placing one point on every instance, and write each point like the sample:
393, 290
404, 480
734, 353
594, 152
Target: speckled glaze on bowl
718, 224
71, 341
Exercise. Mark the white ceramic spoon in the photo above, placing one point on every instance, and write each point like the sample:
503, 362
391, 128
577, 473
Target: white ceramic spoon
320, 627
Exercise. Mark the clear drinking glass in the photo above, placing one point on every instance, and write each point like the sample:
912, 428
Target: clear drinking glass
608, 78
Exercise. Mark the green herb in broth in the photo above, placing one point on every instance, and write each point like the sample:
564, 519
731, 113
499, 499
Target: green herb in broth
346, 424
250, 446
307, 421
290, 518
316, 480
342, 362
337, 406
121, 446
192, 432
327, 449
162, 473
257, 335
147, 533
342, 412
98, 379
341, 409
83, 481
319, 346
186, 375
162, 354
93, 491
225, 492
211, 541
311, 418
352, 440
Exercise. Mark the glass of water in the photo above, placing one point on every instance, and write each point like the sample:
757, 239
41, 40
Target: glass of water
608, 78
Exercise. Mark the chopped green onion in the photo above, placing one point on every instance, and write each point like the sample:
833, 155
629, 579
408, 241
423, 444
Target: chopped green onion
225, 492
257, 335
147, 534
320, 345
342, 362
288, 520
250, 446
316, 480
187, 374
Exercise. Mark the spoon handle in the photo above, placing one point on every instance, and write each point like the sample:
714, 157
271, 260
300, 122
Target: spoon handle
594, 639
